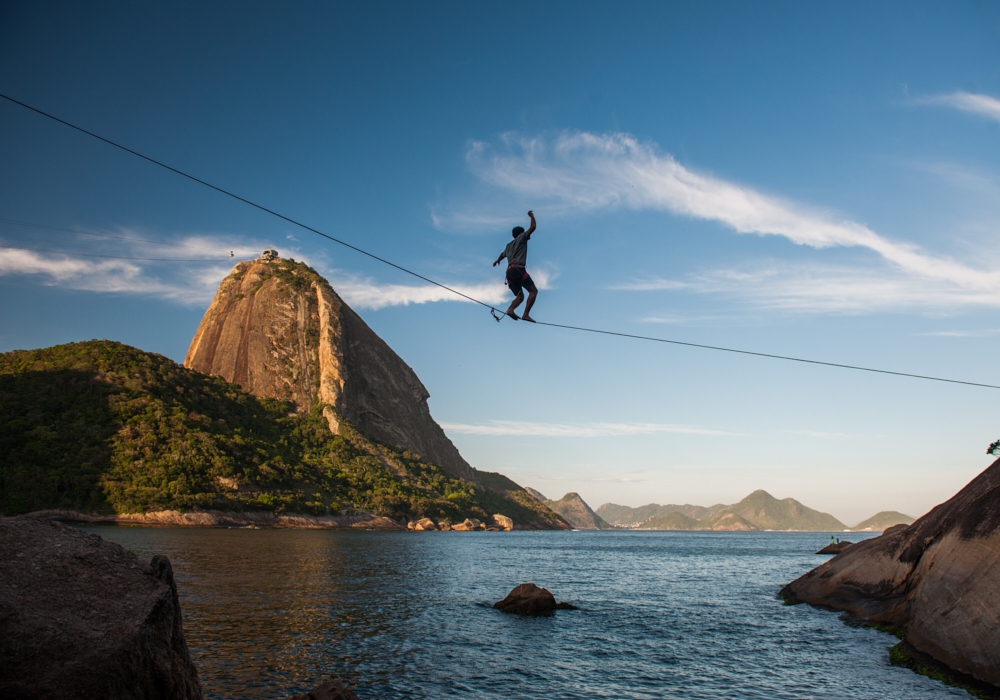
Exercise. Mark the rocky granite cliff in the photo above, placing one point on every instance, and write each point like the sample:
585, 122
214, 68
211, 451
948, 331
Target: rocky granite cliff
935, 582
280, 331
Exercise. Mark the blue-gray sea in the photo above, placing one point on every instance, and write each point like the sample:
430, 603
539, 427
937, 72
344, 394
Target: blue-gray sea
269, 613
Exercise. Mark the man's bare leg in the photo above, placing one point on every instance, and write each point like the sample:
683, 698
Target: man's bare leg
531, 302
514, 304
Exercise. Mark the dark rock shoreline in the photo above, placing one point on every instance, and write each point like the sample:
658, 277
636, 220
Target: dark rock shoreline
84, 618
935, 583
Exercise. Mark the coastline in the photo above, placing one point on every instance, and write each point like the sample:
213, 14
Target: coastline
222, 519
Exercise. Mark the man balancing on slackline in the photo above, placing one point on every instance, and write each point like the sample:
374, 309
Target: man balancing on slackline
516, 253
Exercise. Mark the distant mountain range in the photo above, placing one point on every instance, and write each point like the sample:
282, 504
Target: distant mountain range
758, 511
573, 510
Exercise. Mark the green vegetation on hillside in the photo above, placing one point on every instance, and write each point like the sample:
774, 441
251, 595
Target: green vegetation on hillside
102, 427
624, 516
883, 520
671, 521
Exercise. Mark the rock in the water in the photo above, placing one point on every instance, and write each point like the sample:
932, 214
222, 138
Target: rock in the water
443, 526
835, 548
938, 580
424, 524
502, 522
331, 690
529, 599
84, 618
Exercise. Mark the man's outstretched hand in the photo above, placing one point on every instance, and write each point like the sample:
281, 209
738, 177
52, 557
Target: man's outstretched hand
531, 214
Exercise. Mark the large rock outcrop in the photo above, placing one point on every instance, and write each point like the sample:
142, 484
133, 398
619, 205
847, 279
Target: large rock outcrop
937, 581
280, 331
84, 618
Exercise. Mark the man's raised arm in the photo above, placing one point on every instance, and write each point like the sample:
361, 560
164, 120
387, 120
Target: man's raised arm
531, 229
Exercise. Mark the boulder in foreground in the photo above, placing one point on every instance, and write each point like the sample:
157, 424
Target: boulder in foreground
937, 582
84, 618
529, 599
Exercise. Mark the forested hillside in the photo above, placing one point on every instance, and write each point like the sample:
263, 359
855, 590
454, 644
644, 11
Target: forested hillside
103, 427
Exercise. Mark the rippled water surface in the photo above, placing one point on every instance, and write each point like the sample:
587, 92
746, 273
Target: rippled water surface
269, 613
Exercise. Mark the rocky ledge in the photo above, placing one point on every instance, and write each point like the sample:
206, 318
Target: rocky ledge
936, 583
218, 518
84, 618
497, 523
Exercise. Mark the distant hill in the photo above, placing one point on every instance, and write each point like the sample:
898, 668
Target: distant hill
537, 495
577, 513
883, 520
671, 521
624, 516
765, 512
758, 511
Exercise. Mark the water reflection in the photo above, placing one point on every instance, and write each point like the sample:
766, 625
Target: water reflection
406, 615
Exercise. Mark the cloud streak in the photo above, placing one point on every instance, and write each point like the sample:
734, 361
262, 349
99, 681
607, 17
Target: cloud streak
581, 172
573, 430
367, 294
983, 105
152, 270
820, 288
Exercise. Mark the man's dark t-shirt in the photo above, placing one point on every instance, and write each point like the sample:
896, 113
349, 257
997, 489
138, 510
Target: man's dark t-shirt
516, 251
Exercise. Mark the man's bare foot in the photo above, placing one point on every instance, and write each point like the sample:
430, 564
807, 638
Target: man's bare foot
513, 315
526, 317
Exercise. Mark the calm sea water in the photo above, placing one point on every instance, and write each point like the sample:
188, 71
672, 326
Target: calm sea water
269, 613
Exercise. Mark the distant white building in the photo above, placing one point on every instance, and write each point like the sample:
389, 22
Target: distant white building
269, 255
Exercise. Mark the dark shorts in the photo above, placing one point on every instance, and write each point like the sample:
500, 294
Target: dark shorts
517, 278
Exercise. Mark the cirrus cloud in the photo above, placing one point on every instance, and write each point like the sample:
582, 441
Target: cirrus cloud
580, 171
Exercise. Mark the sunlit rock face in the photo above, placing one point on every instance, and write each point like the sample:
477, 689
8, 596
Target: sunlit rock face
937, 580
280, 331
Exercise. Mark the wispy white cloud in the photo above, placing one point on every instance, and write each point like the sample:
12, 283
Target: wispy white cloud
983, 105
155, 272
364, 293
575, 430
650, 285
830, 289
985, 333
189, 285
579, 172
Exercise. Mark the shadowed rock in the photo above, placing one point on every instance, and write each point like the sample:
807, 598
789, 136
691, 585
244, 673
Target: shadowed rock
84, 618
330, 690
937, 580
835, 548
529, 599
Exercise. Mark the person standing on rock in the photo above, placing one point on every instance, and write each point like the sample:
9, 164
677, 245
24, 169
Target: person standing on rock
516, 253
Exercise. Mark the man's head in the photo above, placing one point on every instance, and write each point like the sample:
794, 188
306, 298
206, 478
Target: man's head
518, 230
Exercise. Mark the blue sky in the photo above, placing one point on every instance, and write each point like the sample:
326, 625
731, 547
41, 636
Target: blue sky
811, 180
